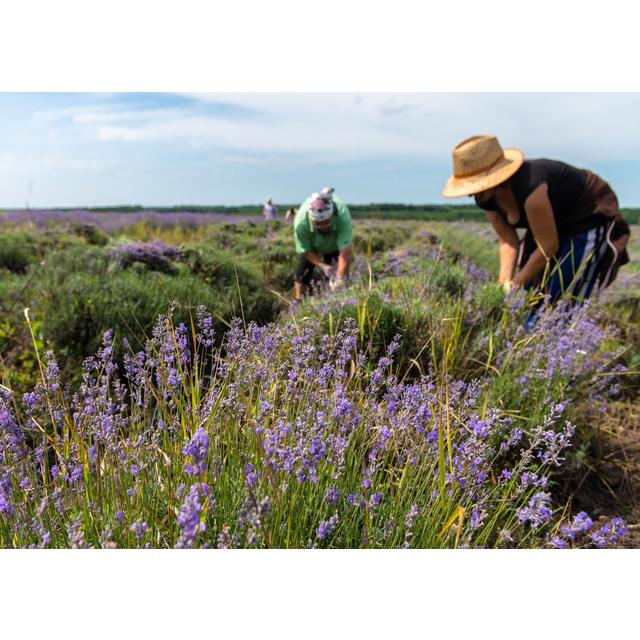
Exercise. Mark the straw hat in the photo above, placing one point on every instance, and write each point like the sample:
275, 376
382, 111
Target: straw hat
480, 163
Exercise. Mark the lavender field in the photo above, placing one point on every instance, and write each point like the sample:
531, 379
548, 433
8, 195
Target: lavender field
158, 391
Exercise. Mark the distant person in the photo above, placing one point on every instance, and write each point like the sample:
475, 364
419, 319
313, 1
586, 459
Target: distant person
322, 233
575, 237
269, 211
290, 215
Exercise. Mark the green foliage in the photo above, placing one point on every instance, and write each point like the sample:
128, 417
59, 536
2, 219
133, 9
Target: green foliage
17, 252
377, 238
489, 300
450, 278
85, 293
379, 322
81, 292
91, 233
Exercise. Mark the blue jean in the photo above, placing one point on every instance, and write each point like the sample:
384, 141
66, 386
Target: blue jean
575, 271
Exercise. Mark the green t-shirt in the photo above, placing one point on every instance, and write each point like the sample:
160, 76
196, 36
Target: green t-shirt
309, 240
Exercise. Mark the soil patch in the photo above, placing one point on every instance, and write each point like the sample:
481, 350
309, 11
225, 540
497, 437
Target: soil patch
608, 483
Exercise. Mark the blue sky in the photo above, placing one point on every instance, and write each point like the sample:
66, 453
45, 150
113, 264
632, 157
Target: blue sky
99, 149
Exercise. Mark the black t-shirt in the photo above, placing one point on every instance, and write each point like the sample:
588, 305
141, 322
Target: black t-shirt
574, 201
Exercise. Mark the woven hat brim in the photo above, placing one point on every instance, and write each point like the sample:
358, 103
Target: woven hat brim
470, 185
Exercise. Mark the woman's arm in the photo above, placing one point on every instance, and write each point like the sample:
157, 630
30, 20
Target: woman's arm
545, 232
509, 246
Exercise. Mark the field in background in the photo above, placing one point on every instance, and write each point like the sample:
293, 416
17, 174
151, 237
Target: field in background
388, 211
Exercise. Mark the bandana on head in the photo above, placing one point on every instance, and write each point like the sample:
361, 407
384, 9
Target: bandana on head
320, 210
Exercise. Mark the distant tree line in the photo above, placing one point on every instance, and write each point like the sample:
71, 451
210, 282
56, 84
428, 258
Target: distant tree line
388, 210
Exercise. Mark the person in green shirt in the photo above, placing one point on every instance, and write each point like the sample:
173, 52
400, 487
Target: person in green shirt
322, 233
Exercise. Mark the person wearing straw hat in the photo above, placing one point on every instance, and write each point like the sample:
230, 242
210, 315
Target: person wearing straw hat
323, 236
575, 236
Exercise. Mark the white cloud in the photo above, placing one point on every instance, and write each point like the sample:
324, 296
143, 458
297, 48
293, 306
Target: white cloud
351, 126
98, 116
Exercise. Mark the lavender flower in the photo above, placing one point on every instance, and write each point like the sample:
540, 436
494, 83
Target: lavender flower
537, 511
224, 539
327, 527
331, 495
196, 453
189, 518
412, 514
581, 523
76, 534
250, 475
156, 255
139, 528
609, 532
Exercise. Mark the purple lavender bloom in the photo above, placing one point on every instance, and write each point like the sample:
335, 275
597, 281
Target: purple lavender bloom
477, 516
224, 539
355, 500
189, 518
375, 499
331, 495
505, 535
537, 511
76, 534
155, 255
581, 523
252, 516
6, 507
206, 332
505, 474
197, 451
182, 343
139, 528
250, 475
515, 436
412, 514
609, 532
558, 542
327, 527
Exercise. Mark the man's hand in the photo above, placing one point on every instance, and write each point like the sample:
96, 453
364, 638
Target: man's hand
326, 269
337, 284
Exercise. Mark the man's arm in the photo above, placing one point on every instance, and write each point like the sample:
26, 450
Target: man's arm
345, 257
314, 258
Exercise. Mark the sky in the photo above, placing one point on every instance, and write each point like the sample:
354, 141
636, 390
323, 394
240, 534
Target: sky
166, 149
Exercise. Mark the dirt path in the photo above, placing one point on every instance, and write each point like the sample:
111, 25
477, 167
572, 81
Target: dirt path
610, 483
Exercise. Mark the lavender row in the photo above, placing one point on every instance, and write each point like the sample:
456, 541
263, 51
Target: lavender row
285, 436
115, 221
